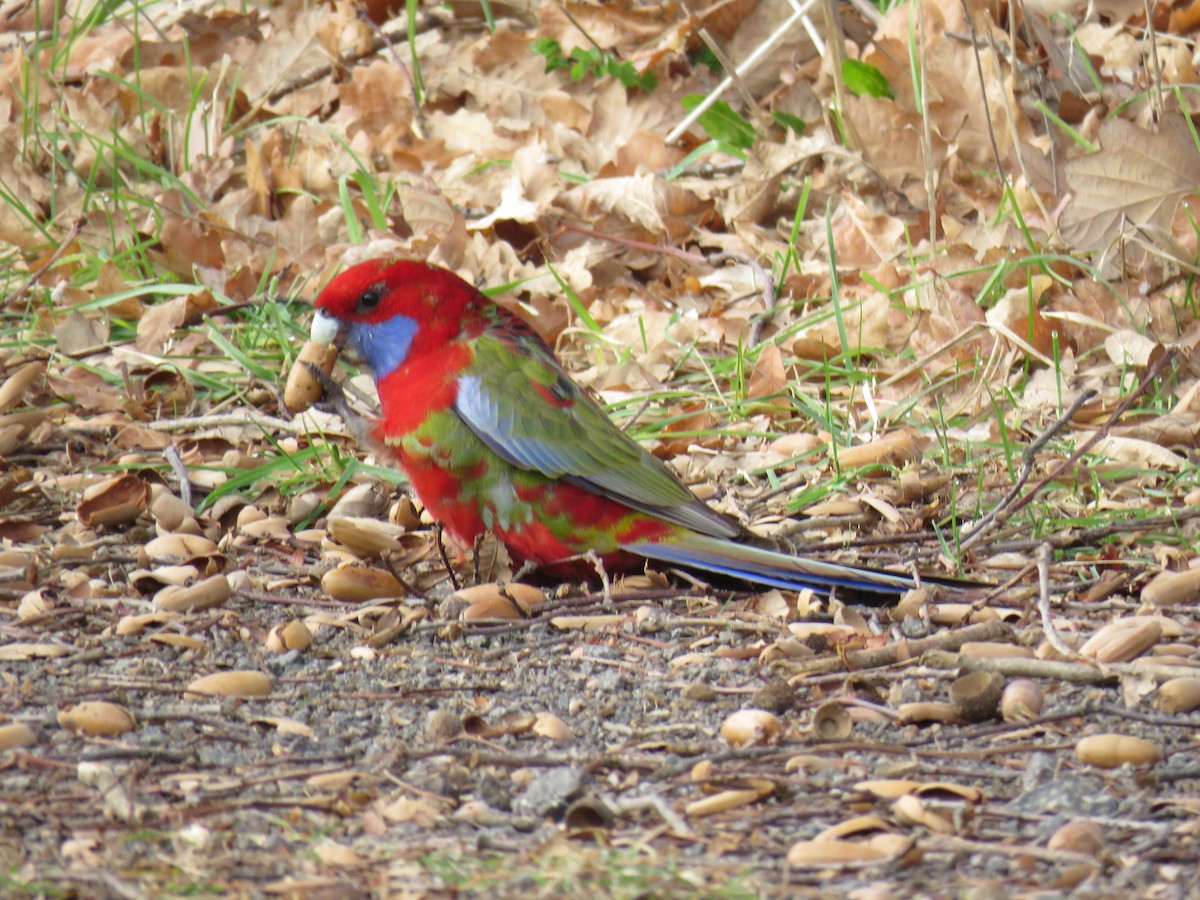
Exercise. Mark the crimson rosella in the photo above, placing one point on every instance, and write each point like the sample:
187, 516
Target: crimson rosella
495, 437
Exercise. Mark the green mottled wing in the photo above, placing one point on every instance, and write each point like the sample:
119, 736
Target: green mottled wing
519, 400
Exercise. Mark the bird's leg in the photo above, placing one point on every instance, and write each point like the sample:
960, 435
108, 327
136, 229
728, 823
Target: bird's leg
335, 400
594, 558
527, 568
441, 545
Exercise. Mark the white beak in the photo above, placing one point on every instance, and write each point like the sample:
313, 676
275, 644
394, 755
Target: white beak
325, 328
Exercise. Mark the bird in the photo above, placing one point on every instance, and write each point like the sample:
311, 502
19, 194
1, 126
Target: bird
494, 436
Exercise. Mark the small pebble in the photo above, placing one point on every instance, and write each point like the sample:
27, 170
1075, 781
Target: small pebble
775, 696
699, 692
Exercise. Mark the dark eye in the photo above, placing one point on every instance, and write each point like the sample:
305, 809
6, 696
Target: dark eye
370, 299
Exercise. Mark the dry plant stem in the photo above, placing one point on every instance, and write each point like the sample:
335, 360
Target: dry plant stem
441, 545
1028, 457
900, 651
196, 423
1065, 466
730, 66
931, 180
1090, 536
1045, 557
418, 121
634, 245
983, 92
1002, 589
949, 842
397, 27
768, 290
835, 41
13, 299
653, 803
1156, 96
390, 565
920, 365
179, 467
1074, 672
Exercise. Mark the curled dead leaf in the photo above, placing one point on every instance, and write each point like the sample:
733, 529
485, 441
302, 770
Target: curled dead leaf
171, 548
926, 711
1108, 751
358, 584
856, 827
244, 683
1078, 836
548, 725
97, 717
114, 501
834, 854
293, 635
1179, 695
16, 735
1122, 640
203, 594
15, 386
497, 601
589, 814
911, 810
1171, 588
178, 641
721, 802
365, 537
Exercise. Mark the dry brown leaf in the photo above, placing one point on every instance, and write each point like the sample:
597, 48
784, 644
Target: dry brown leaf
1136, 178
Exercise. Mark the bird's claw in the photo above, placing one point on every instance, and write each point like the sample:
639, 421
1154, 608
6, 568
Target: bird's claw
334, 397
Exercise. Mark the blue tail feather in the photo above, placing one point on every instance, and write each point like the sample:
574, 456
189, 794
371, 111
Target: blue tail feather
766, 567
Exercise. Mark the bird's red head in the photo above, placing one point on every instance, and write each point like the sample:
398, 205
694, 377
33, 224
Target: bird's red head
389, 309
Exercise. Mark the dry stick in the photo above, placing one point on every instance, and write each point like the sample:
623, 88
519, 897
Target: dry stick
224, 421
835, 43
1098, 532
418, 123
67, 240
739, 83
634, 245
769, 300
931, 175
949, 842
900, 651
390, 565
1027, 461
438, 528
1156, 96
1151, 374
398, 27
1075, 672
1044, 557
179, 467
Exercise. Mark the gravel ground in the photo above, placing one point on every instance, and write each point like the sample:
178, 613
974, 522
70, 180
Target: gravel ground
536, 759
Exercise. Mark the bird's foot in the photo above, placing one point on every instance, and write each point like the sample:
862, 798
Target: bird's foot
605, 584
334, 400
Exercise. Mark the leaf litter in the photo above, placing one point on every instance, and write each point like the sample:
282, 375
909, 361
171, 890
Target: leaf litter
236, 656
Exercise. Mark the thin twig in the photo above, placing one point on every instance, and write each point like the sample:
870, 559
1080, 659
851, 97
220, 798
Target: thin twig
179, 467
1045, 557
1028, 458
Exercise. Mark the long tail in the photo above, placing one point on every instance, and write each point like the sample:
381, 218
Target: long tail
766, 567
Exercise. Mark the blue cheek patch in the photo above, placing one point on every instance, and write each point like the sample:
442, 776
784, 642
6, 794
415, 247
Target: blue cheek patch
384, 345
